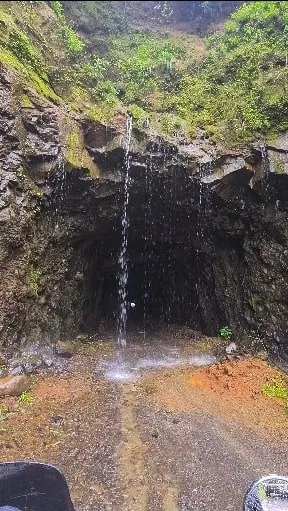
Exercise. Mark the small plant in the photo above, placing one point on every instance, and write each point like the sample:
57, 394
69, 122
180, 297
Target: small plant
22, 47
2, 369
275, 388
74, 43
34, 280
225, 332
25, 398
3, 412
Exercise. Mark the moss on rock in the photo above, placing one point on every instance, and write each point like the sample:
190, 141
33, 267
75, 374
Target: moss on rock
75, 152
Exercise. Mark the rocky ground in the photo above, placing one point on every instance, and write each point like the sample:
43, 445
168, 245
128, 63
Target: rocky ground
144, 429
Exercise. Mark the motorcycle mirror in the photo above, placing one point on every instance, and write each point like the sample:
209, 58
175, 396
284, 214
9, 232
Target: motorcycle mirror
34, 487
269, 493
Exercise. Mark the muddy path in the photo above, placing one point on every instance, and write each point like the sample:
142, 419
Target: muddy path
139, 435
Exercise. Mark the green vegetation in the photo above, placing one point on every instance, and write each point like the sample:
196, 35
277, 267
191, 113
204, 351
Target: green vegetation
233, 84
21, 46
143, 65
277, 388
34, 280
25, 398
225, 332
237, 90
18, 43
3, 369
3, 412
74, 44
241, 87
29, 76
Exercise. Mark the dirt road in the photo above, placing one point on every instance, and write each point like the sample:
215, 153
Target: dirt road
138, 434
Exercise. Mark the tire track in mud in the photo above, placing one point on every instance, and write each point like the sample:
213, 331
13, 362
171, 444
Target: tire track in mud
132, 474
136, 475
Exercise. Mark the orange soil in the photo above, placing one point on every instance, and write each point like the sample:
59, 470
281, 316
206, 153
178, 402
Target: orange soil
28, 431
230, 391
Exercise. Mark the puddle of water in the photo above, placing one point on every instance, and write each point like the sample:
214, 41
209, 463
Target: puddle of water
119, 372
202, 360
129, 366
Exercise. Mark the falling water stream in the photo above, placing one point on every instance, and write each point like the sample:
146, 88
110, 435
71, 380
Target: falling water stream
199, 227
154, 351
123, 256
148, 240
61, 193
265, 159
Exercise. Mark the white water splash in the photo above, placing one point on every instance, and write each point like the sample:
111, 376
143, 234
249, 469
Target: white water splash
123, 256
132, 368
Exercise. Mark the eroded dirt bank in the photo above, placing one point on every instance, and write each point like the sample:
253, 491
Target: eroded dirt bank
170, 437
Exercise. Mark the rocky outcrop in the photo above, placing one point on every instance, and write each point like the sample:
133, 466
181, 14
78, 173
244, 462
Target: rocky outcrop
207, 238
40, 141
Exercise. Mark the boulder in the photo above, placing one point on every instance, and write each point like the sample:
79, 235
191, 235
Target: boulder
14, 385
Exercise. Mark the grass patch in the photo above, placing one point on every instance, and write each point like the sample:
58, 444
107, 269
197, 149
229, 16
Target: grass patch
25, 398
277, 388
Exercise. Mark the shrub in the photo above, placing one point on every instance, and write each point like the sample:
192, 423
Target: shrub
74, 44
225, 332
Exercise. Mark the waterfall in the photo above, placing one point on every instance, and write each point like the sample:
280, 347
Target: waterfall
265, 160
148, 240
123, 256
199, 220
61, 191
204, 204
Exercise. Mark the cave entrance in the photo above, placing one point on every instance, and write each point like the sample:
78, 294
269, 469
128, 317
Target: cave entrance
162, 286
162, 283
164, 257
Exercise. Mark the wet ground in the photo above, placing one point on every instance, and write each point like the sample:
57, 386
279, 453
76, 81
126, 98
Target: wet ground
147, 428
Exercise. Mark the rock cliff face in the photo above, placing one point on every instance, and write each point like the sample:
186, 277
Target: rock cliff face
208, 230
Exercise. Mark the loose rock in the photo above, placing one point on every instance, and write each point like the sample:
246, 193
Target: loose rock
15, 371
14, 385
65, 349
263, 354
232, 348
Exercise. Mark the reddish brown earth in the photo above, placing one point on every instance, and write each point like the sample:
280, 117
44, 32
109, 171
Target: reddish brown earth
173, 439
230, 391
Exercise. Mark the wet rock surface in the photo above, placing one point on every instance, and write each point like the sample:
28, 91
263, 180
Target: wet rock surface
207, 227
